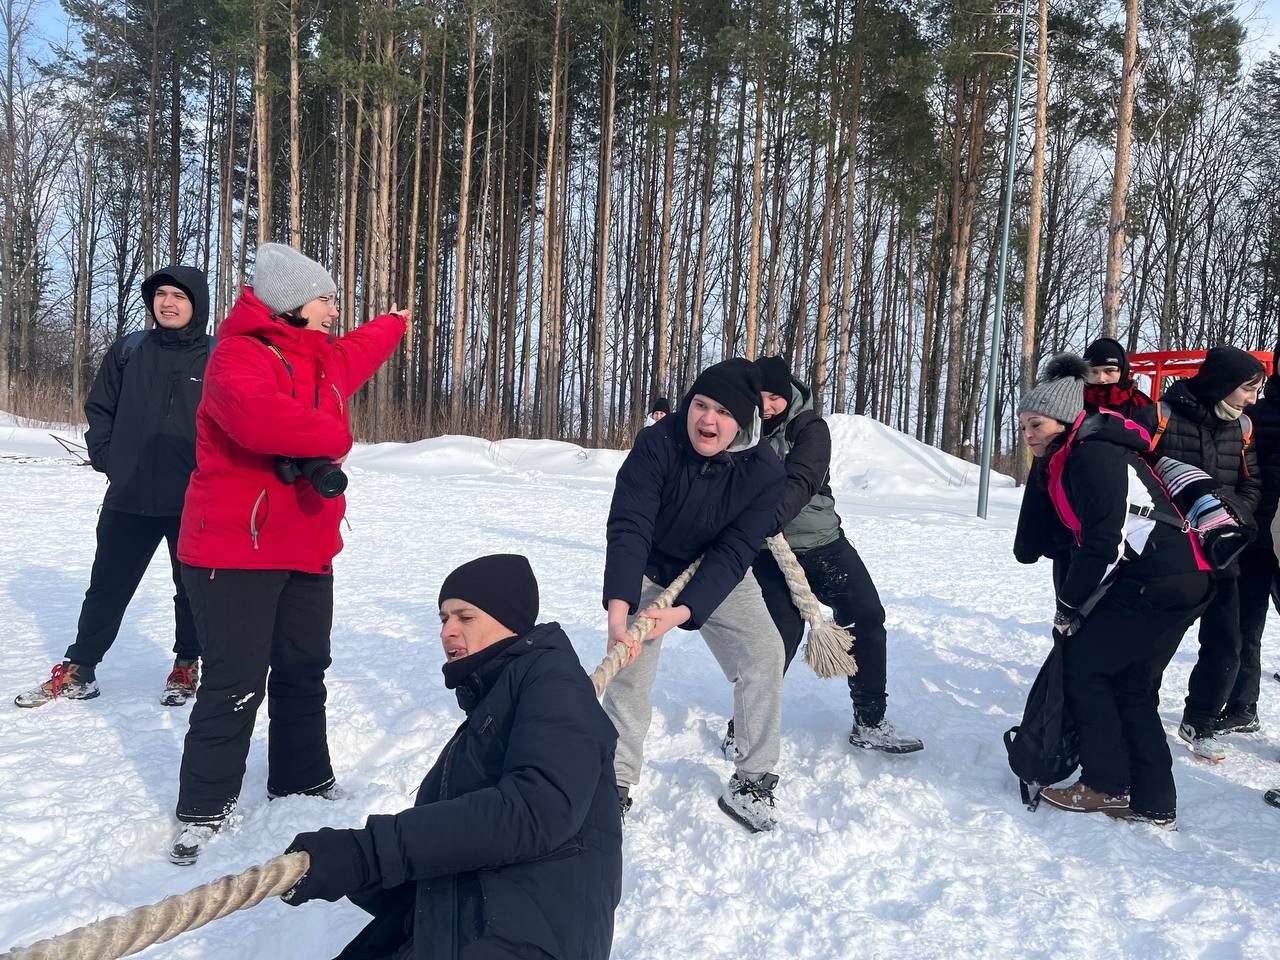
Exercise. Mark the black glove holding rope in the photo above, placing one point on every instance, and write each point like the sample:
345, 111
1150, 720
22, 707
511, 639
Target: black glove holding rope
342, 863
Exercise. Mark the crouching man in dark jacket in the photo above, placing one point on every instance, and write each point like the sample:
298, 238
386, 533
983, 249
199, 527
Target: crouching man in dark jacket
513, 848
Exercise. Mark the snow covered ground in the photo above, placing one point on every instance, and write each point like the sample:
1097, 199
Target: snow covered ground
930, 855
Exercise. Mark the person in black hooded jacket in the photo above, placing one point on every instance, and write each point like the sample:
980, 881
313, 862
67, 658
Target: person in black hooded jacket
142, 435
1133, 585
1202, 421
1257, 566
836, 573
513, 848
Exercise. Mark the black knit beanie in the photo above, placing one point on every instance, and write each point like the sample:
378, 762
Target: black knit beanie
775, 376
501, 584
660, 405
735, 385
1106, 352
1224, 369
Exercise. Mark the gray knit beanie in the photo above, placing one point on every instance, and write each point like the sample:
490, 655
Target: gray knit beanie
1060, 391
285, 279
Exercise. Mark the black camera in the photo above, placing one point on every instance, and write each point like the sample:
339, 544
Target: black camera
322, 473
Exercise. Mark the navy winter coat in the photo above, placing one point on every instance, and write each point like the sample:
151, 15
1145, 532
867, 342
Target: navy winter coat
516, 832
142, 407
671, 505
1265, 415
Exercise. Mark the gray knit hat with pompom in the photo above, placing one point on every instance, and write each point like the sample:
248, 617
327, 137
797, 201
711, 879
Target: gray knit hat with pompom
1059, 393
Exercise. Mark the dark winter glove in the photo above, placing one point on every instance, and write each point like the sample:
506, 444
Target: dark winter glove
342, 862
1066, 621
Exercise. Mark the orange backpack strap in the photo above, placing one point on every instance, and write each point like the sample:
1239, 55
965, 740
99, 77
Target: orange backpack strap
1161, 424
1246, 431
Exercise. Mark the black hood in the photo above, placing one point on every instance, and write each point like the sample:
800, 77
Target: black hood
193, 282
801, 399
1113, 429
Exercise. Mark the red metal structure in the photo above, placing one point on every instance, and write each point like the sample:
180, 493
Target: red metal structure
1176, 364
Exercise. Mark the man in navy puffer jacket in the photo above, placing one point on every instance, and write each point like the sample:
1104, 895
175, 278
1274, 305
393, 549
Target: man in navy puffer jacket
513, 848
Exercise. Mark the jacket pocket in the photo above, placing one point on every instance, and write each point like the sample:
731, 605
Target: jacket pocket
258, 516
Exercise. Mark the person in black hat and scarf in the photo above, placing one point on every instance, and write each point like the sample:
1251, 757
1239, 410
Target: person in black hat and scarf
700, 483
1110, 384
1202, 421
513, 848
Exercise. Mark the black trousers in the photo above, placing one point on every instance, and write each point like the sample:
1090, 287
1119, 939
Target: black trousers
263, 631
839, 579
126, 544
1257, 576
1112, 670
1219, 661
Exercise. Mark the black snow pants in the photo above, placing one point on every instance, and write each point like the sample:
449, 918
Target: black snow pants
1257, 577
1219, 661
263, 631
126, 544
839, 579
1112, 670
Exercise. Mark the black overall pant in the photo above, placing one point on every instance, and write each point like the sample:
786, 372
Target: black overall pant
1113, 666
1257, 577
263, 632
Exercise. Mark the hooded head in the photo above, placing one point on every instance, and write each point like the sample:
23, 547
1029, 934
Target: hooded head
1225, 370
660, 405
1106, 352
190, 281
776, 384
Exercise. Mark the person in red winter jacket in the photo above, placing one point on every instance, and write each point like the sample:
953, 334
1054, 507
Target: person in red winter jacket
259, 533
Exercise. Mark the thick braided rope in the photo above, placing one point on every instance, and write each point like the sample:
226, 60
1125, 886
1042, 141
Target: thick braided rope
617, 658
138, 929
827, 651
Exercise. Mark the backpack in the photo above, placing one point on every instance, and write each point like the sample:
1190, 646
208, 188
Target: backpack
1044, 748
1196, 535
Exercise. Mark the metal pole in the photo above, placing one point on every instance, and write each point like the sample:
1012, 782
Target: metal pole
993, 369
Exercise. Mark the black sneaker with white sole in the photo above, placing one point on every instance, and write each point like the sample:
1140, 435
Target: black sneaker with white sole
750, 801
189, 840
1272, 797
884, 737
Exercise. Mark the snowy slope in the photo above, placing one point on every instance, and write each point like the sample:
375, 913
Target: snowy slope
924, 856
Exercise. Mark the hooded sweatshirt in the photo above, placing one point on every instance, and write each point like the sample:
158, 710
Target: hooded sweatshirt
142, 407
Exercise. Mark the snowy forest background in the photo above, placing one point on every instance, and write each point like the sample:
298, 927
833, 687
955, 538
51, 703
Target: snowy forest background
583, 201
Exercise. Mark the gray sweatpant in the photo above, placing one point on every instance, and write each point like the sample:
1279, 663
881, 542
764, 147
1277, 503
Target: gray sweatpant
742, 638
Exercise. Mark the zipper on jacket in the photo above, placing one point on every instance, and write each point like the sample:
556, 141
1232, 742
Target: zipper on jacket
253, 518
337, 396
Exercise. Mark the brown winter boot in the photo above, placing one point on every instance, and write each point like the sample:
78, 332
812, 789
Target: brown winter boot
1081, 798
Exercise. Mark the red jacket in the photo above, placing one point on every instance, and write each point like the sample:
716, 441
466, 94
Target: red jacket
237, 512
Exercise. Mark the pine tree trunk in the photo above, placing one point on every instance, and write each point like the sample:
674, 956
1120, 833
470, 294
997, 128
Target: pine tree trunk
751, 332
1031, 274
460, 253
263, 118
1120, 176
295, 133
662, 329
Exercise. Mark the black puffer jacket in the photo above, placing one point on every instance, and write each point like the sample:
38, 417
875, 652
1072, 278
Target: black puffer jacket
671, 505
1105, 472
1198, 436
1040, 533
1266, 442
515, 832
142, 408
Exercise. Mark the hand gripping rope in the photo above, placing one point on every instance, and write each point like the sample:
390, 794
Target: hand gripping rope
138, 929
827, 652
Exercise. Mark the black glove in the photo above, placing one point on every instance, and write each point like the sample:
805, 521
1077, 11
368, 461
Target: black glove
342, 862
1066, 621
